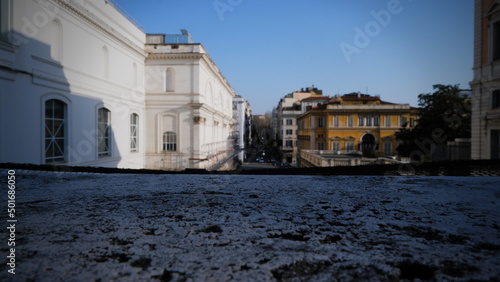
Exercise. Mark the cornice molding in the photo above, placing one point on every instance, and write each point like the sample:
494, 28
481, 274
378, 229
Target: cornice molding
95, 22
221, 77
169, 56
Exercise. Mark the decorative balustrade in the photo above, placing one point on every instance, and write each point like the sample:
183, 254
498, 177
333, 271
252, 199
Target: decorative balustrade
323, 158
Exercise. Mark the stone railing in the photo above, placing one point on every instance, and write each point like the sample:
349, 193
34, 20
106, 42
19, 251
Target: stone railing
325, 158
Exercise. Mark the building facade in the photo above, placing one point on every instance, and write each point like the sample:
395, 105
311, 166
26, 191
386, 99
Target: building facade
485, 131
285, 121
188, 107
354, 124
80, 85
242, 130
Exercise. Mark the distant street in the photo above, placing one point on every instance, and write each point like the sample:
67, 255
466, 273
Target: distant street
255, 165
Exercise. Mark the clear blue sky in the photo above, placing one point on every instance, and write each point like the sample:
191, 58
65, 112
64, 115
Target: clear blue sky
269, 48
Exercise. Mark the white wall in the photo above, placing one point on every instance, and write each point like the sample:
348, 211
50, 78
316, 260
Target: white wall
200, 103
61, 55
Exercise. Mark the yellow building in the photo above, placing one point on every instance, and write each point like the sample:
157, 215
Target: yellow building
354, 124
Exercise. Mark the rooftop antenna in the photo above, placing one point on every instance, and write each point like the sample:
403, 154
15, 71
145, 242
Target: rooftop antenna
366, 89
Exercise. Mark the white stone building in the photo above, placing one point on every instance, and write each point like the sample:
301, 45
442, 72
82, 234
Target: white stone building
285, 120
188, 107
79, 85
242, 115
485, 120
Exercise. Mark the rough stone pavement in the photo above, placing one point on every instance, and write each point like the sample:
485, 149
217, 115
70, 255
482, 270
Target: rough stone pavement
98, 227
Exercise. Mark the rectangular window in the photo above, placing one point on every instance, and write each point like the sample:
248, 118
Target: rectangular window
496, 41
289, 132
134, 126
288, 143
349, 146
368, 121
495, 144
4, 20
55, 131
387, 121
321, 136
336, 122
402, 122
169, 141
103, 132
336, 146
350, 121
321, 122
376, 121
321, 146
361, 121
289, 122
495, 99
388, 148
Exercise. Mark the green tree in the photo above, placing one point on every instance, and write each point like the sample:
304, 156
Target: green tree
443, 116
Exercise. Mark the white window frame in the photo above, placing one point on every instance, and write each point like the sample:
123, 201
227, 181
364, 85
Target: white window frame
387, 121
321, 122
368, 121
104, 133
134, 133
336, 146
53, 140
169, 141
336, 122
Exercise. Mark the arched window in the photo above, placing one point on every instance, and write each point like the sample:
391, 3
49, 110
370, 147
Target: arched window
55, 131
134, 131
169, 141
103, 132
368, 142
170, 80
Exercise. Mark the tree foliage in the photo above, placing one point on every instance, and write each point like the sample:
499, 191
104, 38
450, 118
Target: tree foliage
443, 116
